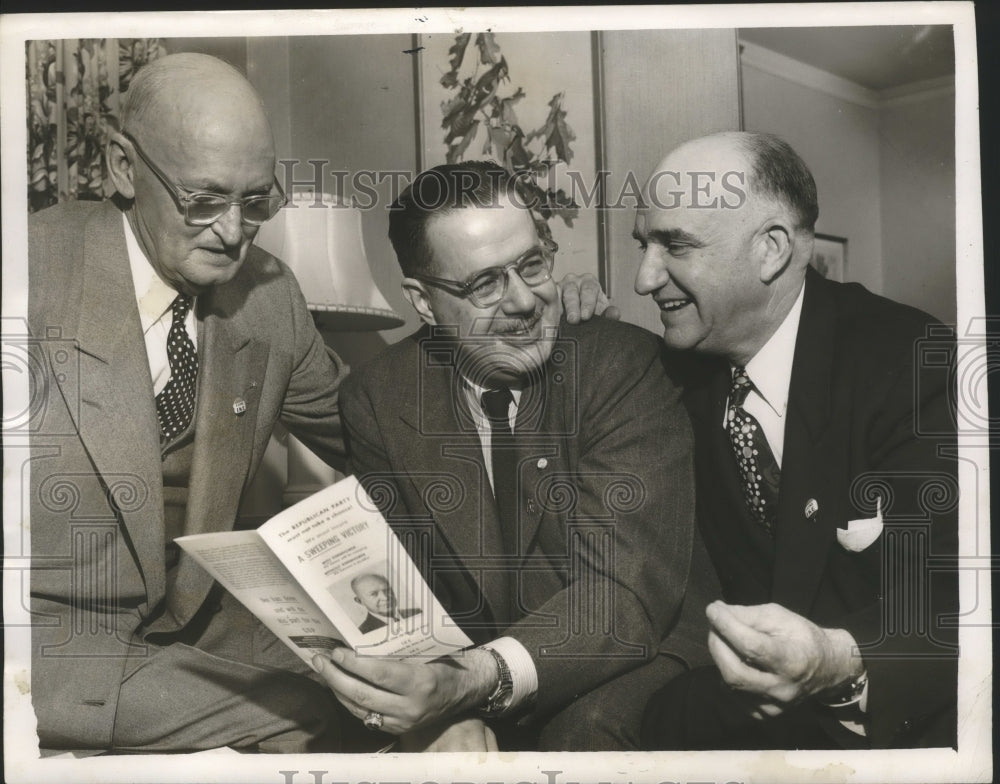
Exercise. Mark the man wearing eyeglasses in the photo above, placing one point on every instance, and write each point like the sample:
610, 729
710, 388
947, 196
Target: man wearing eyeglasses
544, 472
168, 347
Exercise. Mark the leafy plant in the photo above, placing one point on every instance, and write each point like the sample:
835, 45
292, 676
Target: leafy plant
480, 102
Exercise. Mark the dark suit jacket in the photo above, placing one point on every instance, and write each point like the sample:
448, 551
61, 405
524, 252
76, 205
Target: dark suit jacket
373, 622
866, 418
99, 582
605, 494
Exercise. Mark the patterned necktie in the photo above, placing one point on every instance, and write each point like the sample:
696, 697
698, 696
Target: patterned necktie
758, 468
175, 403
496, 404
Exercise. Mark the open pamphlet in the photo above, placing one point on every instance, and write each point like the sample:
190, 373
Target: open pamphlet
330, 572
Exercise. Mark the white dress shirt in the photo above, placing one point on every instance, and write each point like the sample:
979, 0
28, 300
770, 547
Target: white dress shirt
524, 675
770, 372
474, 393
154, 298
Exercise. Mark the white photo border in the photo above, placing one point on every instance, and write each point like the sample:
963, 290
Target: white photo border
973, 760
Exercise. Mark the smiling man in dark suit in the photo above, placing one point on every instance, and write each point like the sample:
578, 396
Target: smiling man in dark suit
825, 466
547, 469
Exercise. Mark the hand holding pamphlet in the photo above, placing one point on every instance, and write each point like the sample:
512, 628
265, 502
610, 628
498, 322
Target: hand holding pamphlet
330, 572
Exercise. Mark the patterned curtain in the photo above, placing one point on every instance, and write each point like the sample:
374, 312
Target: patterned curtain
74, 96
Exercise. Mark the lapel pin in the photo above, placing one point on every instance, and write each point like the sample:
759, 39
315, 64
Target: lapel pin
239, 406
542, 462
812, 507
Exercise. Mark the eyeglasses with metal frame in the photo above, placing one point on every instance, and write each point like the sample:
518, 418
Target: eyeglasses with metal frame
202, 208
489, 286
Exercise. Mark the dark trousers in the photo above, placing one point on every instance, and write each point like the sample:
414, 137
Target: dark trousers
609, 717
698, 711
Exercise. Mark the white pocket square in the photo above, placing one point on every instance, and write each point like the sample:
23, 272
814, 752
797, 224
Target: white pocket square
860, 534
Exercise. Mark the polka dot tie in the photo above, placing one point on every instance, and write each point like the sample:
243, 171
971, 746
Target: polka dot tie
175, 403
758, 468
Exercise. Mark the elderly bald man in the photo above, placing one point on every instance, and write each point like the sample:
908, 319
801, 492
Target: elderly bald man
167, 348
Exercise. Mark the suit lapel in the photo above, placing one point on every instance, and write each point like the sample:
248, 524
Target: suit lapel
117, 413
708, 413
722, 508
540, 456
802, 542
230, 375
442, 434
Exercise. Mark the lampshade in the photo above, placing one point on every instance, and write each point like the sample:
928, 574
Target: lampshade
325, 249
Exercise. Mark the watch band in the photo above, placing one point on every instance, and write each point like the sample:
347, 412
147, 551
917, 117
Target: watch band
499, 699
848, 694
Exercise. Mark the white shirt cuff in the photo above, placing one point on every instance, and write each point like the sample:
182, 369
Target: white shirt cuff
856, 724
523, 675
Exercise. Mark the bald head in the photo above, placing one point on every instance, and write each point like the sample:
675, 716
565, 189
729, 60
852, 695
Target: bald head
726, 229
725, 168
372, 591
190, 98
191, 124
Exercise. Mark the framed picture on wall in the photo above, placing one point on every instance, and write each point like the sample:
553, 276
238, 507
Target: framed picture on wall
830, 256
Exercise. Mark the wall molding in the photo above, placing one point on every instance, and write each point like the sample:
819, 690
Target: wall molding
915, 92
790, 69
776, 64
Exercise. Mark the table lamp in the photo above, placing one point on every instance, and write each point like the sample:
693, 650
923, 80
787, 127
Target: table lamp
319, 237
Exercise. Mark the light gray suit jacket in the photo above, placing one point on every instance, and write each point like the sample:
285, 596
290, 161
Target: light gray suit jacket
99, 583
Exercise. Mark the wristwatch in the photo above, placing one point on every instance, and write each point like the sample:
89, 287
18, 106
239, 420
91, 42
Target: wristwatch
848, 694
499, 699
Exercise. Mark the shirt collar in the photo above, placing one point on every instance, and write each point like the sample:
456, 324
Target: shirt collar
152, 295
474, 393
770, 370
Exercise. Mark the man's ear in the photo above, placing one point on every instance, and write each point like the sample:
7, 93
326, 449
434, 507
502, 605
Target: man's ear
777, 242
357, 600
120, 166
415, 292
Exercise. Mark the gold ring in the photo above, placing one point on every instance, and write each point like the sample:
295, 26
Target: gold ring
374, 720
